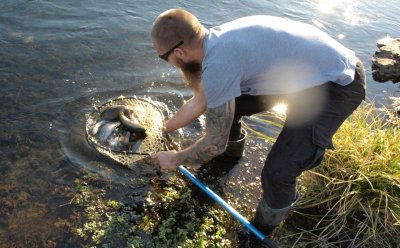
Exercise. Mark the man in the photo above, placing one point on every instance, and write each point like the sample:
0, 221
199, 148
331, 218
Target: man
245, 67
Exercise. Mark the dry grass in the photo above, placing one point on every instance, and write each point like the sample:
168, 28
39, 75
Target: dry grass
353, 198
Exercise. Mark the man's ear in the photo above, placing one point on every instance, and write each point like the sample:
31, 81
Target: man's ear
180, 52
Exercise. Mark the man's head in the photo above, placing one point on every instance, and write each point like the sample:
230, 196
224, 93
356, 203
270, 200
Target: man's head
178, 37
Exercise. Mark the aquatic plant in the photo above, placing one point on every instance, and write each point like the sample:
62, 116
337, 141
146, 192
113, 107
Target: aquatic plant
174, 217
106, 222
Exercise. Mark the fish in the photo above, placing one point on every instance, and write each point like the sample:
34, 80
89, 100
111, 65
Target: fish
114, 142
112, 113
107, 129
137, 136
126, 140
119, 140
136, 145
119, 128
96, 126
130, 122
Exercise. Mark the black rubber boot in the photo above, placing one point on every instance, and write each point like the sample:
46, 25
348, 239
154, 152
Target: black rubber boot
247, 239
235, 149
223, 163
265, 220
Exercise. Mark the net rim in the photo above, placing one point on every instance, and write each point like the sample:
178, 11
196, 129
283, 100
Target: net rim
104, 149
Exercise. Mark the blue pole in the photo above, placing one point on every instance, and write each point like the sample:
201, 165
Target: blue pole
226, 206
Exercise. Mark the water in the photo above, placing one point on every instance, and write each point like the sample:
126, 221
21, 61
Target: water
60, 58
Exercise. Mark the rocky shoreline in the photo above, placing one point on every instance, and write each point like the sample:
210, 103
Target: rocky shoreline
386, 65
386, 61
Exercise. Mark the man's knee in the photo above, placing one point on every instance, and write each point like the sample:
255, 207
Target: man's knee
279, 169
275, 174
279, 184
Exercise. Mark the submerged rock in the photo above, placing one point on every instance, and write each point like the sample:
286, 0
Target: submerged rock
386, 61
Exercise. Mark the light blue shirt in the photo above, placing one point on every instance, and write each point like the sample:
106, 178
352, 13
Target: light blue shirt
265, 55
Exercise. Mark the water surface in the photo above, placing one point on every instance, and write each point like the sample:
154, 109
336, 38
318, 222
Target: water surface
61, 58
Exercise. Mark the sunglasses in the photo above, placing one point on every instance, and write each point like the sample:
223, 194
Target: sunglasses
166, 55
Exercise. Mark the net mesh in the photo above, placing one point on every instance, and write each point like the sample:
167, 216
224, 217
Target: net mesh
149, 115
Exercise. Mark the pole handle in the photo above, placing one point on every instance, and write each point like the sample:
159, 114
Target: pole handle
227, 207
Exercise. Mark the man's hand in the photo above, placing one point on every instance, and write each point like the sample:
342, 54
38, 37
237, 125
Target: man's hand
167, 160
218, 121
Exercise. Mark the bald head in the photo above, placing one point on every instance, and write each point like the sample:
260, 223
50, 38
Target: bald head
175, 25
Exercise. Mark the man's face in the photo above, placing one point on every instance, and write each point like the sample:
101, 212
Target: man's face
191, 71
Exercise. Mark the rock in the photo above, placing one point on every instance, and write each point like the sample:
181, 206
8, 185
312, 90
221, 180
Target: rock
386, 60
396, 105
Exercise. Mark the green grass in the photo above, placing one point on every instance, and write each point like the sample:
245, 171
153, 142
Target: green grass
353, 198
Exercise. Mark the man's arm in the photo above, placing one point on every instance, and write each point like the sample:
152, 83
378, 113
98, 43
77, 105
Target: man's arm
189, 111
218, 125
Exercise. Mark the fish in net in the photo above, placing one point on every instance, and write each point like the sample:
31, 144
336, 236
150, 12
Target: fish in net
127, 129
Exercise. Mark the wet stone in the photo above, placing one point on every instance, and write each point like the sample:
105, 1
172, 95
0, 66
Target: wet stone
386, 61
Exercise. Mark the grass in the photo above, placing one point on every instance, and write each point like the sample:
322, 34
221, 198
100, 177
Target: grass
353, 198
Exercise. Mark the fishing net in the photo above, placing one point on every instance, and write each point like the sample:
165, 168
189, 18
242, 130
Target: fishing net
149, 115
